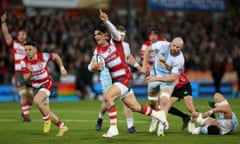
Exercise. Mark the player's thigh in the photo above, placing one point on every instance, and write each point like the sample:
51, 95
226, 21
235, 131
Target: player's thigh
153, 88
218, 97
113, 92
41, 96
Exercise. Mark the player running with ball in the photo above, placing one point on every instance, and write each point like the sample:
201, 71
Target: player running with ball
113, 55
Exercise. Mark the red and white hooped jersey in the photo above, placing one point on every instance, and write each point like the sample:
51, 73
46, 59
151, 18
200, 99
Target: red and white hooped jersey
114, 58
18, 52
152, 54
182, 80
40, 74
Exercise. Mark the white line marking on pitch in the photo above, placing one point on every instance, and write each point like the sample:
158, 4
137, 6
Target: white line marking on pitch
67, 120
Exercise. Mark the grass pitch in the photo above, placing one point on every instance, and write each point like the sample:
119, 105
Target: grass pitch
81, 116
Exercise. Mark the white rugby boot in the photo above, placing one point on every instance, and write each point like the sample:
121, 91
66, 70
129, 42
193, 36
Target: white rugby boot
153, 125
160, 131
112, 131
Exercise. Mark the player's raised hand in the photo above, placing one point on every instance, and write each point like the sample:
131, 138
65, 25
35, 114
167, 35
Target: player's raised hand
3, 16
103, 16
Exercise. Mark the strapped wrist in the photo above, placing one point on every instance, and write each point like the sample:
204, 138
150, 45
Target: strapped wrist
62, 68
211, 112
136, 65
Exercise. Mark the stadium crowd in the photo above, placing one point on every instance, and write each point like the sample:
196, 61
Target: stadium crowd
68, 33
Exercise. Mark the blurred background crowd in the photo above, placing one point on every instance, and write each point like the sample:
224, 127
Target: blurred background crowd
212, 39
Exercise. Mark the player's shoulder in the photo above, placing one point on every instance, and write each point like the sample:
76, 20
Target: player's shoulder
160, 38
180, 58
125, 43
147, 43
164, 45
15, 43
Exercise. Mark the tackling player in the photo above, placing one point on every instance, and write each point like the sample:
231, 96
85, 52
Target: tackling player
153, 37
167, 66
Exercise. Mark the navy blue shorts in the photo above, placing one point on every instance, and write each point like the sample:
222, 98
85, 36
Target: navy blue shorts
182, 91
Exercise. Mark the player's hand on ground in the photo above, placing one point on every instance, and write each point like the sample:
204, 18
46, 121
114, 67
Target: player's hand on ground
103, 16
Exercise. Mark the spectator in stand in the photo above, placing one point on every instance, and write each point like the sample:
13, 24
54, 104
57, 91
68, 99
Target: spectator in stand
203, 35
4, 70
84, 83
217, 66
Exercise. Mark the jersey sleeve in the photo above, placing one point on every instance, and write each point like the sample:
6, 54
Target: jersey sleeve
92, 60
159, 45
11, 44
48, 56
179, 65
178, 68
127, 50
143, 48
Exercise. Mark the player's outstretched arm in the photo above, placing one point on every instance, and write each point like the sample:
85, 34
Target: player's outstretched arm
6, 34
111, 28
145, 59
226, 109
60, 64
132, 61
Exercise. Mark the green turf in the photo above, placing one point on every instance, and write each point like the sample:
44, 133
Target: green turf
80, 117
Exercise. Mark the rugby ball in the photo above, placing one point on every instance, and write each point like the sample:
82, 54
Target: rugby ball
99, 59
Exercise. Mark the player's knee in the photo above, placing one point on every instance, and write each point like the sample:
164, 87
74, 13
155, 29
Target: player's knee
218, 97
36, 102
22, 92
165, 95
107, 100
153, 98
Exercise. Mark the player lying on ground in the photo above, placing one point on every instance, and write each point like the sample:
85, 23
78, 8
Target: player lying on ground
226, 123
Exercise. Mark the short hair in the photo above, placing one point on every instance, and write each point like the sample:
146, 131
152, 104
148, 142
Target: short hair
30, 43
121, 28
213, 130
22, 30
152, 29
102, 28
